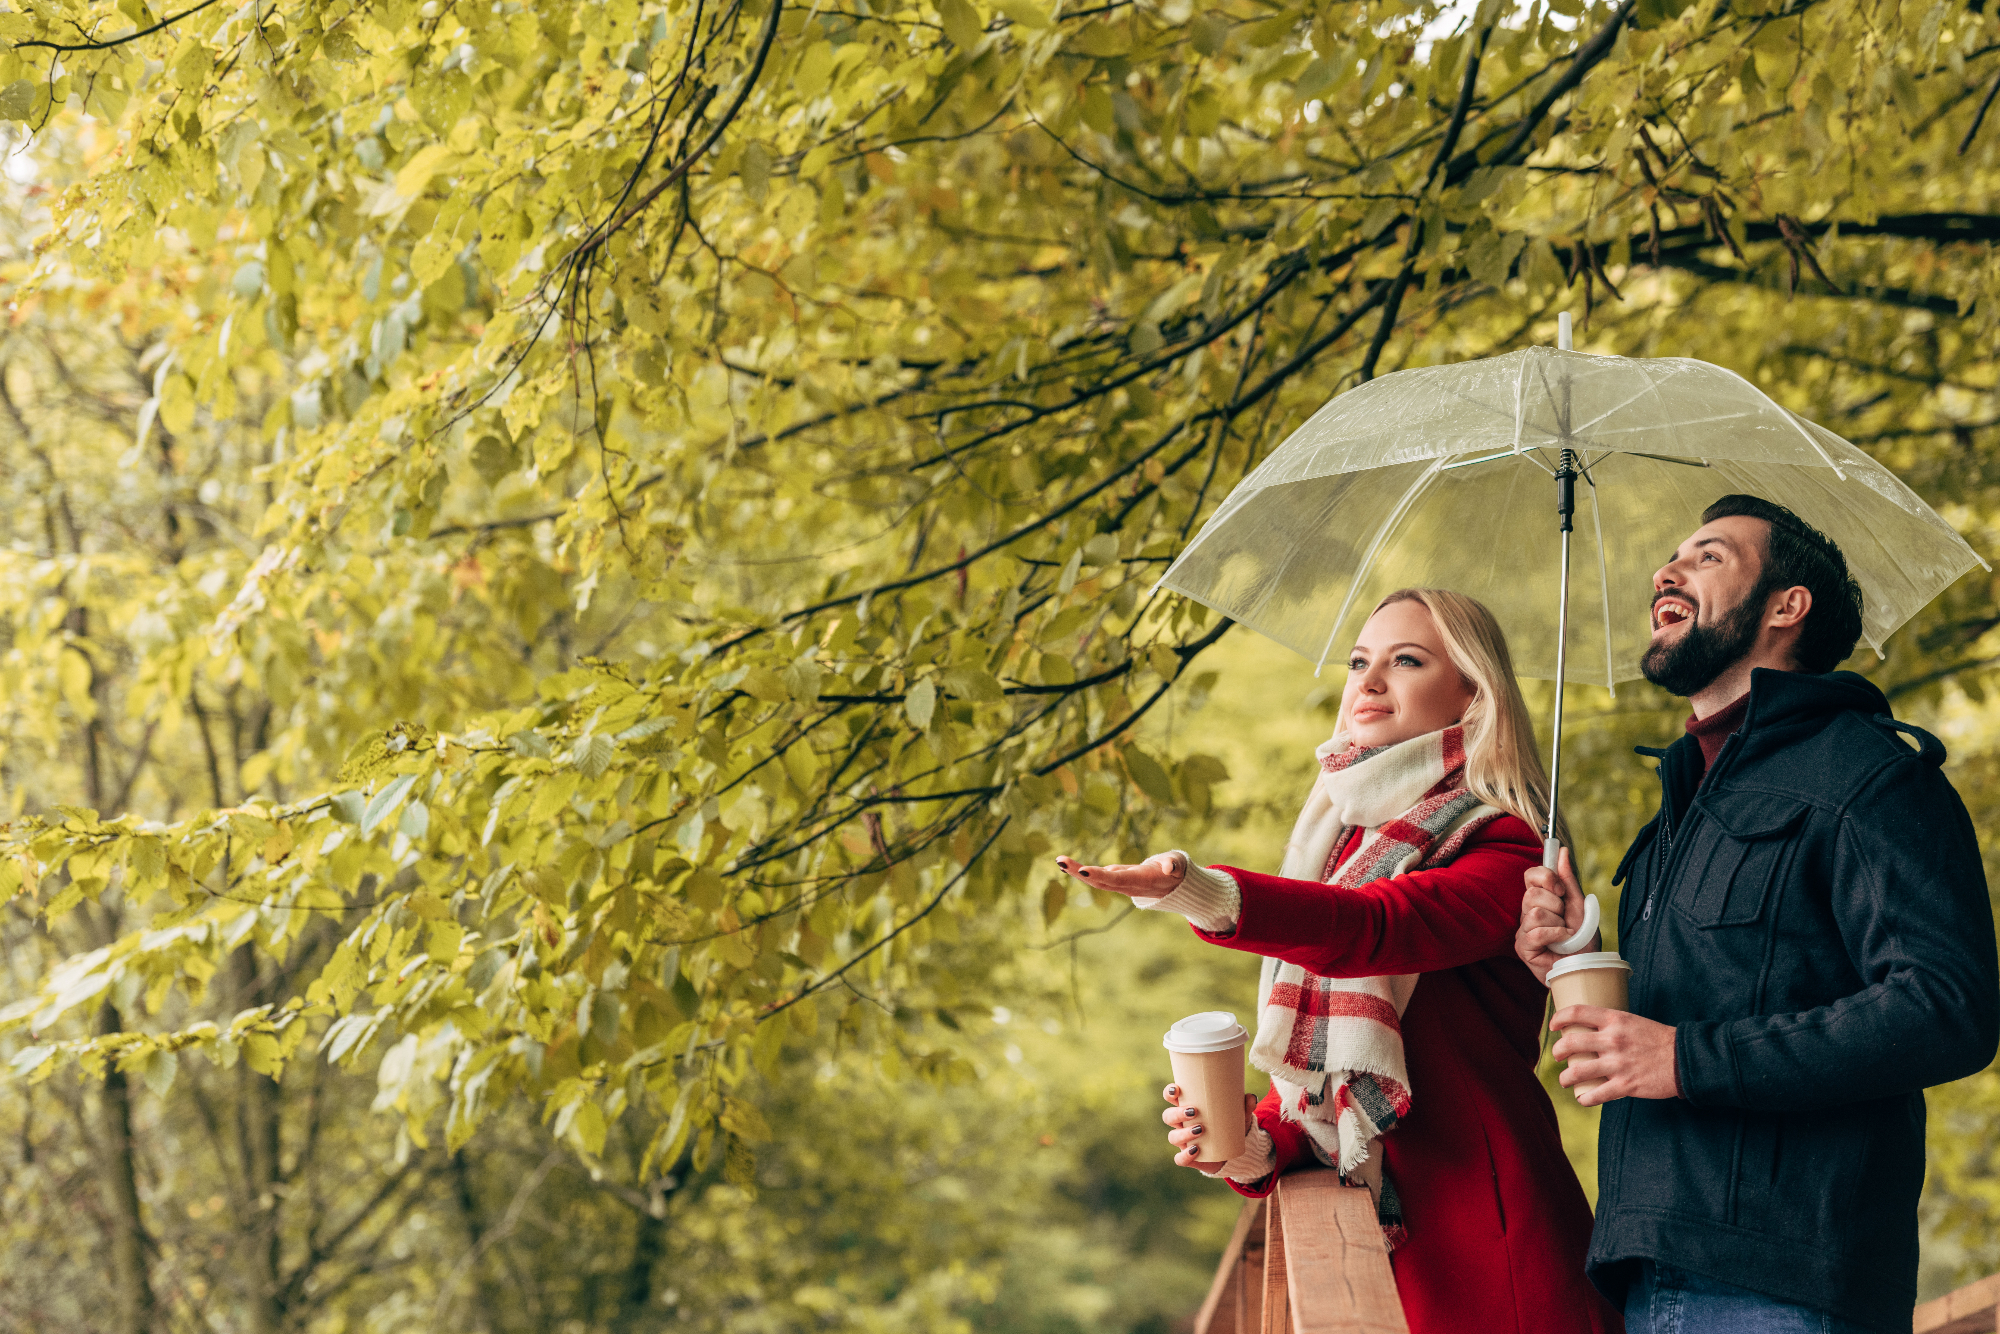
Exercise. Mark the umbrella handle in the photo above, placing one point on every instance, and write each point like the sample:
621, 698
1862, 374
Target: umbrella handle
1581, 940
1592, 914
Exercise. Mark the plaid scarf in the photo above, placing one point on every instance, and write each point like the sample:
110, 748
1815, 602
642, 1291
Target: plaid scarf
1334, 1046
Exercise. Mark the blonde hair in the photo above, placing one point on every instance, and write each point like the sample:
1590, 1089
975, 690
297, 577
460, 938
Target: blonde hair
1503, 767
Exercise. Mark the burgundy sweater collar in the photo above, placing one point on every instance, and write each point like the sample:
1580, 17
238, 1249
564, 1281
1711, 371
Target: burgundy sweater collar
1712, 731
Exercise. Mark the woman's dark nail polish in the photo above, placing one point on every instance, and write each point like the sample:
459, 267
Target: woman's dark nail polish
1196, 1130
1084, 874
1190, 1111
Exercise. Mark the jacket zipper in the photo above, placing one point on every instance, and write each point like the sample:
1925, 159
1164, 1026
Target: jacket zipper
1664, 848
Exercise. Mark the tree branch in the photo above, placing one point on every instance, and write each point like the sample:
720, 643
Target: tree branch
167, 22
828, 979
1582, 61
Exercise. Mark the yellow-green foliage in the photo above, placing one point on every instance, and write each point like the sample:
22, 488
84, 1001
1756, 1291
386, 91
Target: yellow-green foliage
563, 554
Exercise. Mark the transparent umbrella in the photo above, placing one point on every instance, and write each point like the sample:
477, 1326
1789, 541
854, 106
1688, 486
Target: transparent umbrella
1474, 476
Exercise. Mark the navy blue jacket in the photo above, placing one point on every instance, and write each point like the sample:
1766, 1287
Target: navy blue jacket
1812, 918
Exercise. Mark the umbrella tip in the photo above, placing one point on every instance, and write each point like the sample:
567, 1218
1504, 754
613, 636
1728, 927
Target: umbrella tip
1562, 331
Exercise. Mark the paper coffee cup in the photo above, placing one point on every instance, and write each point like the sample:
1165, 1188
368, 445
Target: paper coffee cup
1600, 979
1207, 1054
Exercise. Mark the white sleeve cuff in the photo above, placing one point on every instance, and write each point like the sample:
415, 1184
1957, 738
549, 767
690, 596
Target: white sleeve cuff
1205, 896
1258, 1159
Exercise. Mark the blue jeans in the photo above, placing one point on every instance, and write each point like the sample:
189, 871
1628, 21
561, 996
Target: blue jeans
1667, 1300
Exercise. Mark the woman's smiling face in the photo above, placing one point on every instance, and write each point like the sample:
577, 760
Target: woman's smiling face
1400, 681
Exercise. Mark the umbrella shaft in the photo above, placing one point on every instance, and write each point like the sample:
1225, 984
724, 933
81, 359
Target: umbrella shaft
1562, 654
1566, 471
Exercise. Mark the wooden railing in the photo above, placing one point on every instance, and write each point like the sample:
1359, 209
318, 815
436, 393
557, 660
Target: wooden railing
1308, 1260
1973, 1309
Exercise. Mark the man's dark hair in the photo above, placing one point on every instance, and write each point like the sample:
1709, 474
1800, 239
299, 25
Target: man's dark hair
1800, 555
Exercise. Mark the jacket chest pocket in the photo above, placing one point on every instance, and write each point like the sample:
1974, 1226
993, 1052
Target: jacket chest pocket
1737, 851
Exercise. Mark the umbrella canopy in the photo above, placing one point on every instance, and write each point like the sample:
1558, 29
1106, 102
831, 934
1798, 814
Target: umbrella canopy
1440, 477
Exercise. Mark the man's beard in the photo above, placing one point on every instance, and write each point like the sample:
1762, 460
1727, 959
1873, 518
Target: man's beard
1687, 666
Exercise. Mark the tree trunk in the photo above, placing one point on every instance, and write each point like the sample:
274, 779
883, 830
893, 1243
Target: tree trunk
649, 1244
138, 1312
489, 1302
257, 1130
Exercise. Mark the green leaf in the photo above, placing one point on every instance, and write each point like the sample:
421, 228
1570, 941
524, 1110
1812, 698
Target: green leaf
755, 166
1071, 567
383, 802
28, 1062
802, 680
1023, 12
147, 860
1204, 769
587, 1129
1148, 774
1209, 33
768, 1048
350, 1035
761, 683
920, 703
158, 1069
192, 63
961, 23
592, 755
973, 683
17, 99
552, 795
742, 1119
493, 458
417, 172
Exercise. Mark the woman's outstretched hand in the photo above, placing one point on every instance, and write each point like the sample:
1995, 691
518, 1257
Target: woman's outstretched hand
1188, 1128
1154, 878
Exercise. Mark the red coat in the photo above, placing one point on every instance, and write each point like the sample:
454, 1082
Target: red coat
1498, 1225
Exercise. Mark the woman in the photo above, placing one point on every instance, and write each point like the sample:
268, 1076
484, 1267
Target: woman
1400, 1030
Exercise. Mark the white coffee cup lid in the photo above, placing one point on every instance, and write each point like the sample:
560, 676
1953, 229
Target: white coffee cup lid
1577, 963
1211, 1030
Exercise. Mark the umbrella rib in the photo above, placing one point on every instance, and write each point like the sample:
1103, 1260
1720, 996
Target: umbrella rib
1467, 398
1791, 417
1657, 458
1519, 418
1794, 420
1361, 570
1603, 582
1563, 433
1483, 458
1697, 421
1579, 430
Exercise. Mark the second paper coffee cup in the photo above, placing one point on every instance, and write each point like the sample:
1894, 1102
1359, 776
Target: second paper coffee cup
1207, 1054
1600, 979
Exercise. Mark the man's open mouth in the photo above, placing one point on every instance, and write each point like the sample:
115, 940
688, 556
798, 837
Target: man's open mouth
1671, 611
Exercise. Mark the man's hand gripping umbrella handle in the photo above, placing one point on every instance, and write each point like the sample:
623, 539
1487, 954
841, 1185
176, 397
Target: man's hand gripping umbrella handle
1592, 914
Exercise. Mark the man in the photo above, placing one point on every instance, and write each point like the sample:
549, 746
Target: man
1811, 946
